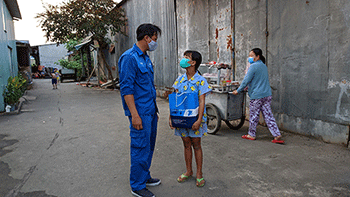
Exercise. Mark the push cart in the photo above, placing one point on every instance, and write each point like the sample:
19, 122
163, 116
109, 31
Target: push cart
221, 104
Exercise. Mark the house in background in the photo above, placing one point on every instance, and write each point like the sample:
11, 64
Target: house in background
9, 11
51, 53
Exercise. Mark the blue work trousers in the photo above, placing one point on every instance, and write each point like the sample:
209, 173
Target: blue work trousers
142, 144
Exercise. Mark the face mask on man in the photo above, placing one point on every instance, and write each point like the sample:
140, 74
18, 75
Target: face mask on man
184, 63
152, 45
250, 60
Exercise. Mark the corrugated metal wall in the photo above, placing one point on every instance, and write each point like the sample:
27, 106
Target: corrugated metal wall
220, 31
193, 27
162, 14
205, 26
250, 28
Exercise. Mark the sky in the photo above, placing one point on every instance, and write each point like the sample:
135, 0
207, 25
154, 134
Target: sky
28, 28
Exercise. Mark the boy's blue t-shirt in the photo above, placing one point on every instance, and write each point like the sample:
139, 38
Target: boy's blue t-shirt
257, 79
197, 84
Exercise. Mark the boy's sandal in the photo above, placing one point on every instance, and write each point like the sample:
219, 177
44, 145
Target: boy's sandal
200, 182
183, 178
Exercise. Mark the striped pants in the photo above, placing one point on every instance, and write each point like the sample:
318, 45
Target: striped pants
263, 105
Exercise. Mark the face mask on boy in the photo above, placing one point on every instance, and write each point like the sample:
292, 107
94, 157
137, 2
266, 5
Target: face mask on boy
184, 63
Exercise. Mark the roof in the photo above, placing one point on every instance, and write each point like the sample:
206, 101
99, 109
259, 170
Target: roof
12, 6
85, 41
121, 3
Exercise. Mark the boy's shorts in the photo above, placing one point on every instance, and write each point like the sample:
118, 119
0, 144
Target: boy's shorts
183, 132
54, 81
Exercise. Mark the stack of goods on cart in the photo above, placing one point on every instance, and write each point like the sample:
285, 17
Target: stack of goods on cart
219, 76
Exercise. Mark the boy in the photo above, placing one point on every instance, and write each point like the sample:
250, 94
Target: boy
54, 80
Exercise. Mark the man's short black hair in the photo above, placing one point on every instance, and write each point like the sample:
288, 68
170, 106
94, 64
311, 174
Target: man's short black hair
147, 29
196, 56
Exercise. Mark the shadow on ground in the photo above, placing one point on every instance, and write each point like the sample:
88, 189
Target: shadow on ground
9, 184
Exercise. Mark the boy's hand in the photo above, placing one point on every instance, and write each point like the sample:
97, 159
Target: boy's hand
196, 125
170, 124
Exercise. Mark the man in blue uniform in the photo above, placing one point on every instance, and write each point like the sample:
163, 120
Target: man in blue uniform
139, 101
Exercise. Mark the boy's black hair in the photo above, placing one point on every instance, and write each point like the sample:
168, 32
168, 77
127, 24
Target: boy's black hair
147, 29
196, 56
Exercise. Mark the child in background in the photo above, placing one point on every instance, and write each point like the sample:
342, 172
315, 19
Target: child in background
57, 75
54, 80
192, 82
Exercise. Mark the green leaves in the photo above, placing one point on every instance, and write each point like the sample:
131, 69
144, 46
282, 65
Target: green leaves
69, 64
15, 89
74, 64
77, 19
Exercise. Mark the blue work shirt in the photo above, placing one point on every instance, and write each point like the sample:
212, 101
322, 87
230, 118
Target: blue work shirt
136, 78
257, 78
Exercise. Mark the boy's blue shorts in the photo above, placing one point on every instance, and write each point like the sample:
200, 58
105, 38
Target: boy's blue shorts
54, 81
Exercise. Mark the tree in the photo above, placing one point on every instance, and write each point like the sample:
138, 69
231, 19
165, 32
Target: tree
77, 19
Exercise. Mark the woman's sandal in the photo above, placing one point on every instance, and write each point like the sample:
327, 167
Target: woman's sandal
277, 140
200, 182
248, 137
183, 178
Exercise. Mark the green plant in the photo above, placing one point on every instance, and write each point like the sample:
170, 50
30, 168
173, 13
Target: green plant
70, 65
14, 89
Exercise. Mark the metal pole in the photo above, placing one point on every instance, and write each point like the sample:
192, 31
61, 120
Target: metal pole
82, 62
233, 12
98, 67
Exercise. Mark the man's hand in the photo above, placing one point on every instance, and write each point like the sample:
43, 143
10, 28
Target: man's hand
235, 92
137, 122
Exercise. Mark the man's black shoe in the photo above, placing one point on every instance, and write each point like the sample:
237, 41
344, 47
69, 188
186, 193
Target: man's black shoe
153, 182
143, 193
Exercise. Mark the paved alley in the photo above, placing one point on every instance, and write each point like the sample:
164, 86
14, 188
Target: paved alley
74, 142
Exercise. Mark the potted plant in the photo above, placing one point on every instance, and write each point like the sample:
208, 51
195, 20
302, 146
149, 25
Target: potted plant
14, 90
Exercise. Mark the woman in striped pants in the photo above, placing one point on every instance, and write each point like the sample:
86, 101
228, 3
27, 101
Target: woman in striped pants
257, 79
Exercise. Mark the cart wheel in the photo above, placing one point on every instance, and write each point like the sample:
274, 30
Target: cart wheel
213, 119
235, 124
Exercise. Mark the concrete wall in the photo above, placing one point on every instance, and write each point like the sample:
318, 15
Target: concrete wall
250, 28
309, 66
162, 14
193, 27
306, 50
51, 53
8, 54
205, 26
